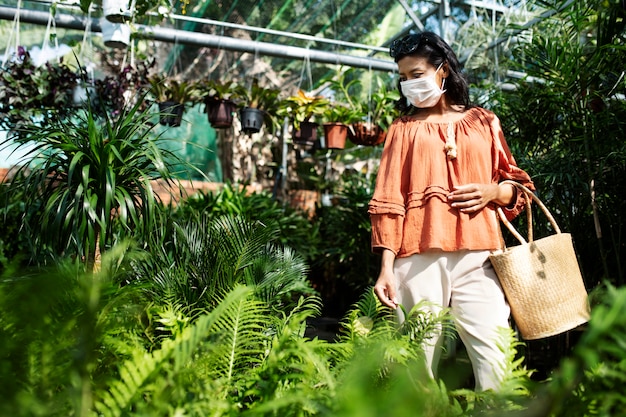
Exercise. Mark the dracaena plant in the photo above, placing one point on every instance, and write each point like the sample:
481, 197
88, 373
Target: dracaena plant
90, 181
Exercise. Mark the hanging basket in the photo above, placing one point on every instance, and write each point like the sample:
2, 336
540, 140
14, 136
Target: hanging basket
335, 135
366, 134
251, 120
83, 93
170, 113
220, 112
306, 134
116, 11
115, 35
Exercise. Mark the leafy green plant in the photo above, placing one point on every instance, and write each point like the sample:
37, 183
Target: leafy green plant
565, 124
164, 89
302, 108
221, 90
338, 112
89, 182
30, 95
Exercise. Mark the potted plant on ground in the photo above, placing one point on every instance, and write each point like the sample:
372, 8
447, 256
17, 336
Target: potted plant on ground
220, 99
302, 110
171, 96
259, 106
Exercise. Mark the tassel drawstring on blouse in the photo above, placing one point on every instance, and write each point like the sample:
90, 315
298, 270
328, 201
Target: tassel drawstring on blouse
450, 146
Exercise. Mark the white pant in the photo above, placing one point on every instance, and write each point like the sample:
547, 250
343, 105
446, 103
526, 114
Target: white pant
466, 282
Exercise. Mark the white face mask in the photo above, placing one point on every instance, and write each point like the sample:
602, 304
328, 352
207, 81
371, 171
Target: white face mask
423, 92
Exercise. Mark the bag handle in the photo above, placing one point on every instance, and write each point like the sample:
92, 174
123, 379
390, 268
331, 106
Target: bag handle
530, 196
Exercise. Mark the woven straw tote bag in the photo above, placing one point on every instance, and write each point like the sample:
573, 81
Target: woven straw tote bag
541, 278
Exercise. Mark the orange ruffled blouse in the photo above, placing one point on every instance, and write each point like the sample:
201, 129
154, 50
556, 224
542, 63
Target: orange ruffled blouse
424, 161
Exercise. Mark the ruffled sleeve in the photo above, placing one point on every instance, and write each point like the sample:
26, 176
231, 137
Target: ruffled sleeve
387, 206
505, 168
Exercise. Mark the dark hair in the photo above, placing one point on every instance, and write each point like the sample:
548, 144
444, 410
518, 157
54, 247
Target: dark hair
430, 46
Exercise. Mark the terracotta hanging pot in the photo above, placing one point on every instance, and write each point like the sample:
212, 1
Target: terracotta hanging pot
251, 119
306, 134
335, 135
220, 112
170, 113
366, 134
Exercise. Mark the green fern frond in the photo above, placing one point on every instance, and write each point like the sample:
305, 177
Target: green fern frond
296, 376
368, 319
239, 337
136, 373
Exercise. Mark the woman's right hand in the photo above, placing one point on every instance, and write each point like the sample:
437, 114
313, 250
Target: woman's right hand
385, 287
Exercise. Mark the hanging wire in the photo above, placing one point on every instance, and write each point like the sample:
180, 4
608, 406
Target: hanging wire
495, 50
51, 26
16, 31
87, 44
306, 66
369, 96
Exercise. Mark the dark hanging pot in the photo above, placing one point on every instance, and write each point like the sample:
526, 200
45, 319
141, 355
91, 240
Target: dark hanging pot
366, 134
220, 112
170, 113
251, 119
306, 134
335, 135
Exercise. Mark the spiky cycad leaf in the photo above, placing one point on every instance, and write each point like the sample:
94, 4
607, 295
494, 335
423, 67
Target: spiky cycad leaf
278, 275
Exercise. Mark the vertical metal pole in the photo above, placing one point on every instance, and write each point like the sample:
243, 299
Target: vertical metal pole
283, 162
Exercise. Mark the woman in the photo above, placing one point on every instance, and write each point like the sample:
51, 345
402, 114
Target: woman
433, 211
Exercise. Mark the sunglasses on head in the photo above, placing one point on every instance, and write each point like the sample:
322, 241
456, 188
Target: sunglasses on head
410, 44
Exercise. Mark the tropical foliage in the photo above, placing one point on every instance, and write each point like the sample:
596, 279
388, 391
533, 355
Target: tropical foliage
86, 182
567, 123
209, 307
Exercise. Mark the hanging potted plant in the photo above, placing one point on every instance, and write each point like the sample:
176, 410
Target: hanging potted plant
378, 114
115, 35
116, 11
220, 101
302, 110
338, 118
258, 107
369, 119
171, 96
34, 94
123, 89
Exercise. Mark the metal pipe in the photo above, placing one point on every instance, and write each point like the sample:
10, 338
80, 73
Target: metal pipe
416, 21
203, 39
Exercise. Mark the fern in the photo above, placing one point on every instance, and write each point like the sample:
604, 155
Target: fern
136, 373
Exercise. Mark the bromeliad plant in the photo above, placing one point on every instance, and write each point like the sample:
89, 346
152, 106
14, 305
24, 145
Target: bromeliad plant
89, 181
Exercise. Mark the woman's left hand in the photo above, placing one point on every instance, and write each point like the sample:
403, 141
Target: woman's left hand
471, 198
